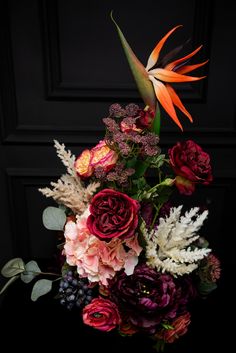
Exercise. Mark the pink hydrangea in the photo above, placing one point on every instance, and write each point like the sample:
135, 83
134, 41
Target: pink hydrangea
96, 259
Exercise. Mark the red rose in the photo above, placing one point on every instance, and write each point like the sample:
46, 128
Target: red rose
101, 314
191, 165
113, 215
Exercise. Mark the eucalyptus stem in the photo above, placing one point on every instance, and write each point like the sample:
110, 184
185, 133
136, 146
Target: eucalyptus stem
44, 273
57, 279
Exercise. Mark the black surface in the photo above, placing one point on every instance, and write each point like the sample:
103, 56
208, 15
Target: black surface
61, 66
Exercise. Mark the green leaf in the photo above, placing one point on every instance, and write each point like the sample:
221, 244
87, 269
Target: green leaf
31, 271
54, 218
167, 326
140, 168
206, 288
131, 163
157, 161
9, 282
139, 72
13, 267
65, 268
41, 287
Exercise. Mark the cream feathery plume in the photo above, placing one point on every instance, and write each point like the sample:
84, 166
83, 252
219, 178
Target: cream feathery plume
69, 189
168, 247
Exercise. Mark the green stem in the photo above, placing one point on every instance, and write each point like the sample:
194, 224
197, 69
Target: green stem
156, 214
44, 273
156, 127
57, 279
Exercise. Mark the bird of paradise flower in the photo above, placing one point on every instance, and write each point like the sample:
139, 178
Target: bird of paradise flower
154, 84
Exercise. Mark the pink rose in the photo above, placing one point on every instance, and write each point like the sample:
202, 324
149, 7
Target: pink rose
101, 314
113, 215
99, 156
191, 165
103, 156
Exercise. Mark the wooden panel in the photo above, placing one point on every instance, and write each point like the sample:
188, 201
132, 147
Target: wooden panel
59, 75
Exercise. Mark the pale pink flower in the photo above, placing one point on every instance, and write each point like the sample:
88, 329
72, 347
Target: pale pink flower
96, 259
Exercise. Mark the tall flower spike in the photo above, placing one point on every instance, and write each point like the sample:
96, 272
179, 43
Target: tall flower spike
160, 77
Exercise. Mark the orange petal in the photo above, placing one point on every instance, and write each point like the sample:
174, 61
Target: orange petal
171, 76
165, 100
82, 164
176, 100
188, 68
156, 51
173, 64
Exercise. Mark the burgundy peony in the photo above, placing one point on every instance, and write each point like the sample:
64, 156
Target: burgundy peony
191, 165
113, 215
101, 314
147, 297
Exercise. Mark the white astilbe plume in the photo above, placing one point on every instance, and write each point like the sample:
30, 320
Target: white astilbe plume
168, 247
69, 189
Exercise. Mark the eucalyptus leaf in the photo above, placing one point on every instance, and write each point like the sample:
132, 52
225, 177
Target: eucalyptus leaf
31, 271
41, 287
54, 218
13, 267
9, 282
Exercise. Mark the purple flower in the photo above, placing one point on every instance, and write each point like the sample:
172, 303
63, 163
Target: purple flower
147, 297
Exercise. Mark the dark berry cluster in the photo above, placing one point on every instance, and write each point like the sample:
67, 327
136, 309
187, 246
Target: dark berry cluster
74, 291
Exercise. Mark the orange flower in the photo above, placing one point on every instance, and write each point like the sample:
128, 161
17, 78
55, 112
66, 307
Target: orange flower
154, 83
99, 156
83, 165
173, 72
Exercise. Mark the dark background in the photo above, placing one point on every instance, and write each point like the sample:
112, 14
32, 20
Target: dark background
61, 66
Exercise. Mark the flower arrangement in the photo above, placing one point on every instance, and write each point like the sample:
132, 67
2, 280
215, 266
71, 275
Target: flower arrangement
131, 260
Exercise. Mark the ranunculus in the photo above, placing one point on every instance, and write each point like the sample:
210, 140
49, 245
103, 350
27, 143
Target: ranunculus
180, 327
101, 314
191, 165
113, 215
103, 156
146, 298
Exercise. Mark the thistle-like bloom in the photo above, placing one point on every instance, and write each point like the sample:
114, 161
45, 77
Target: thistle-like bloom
154, 83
